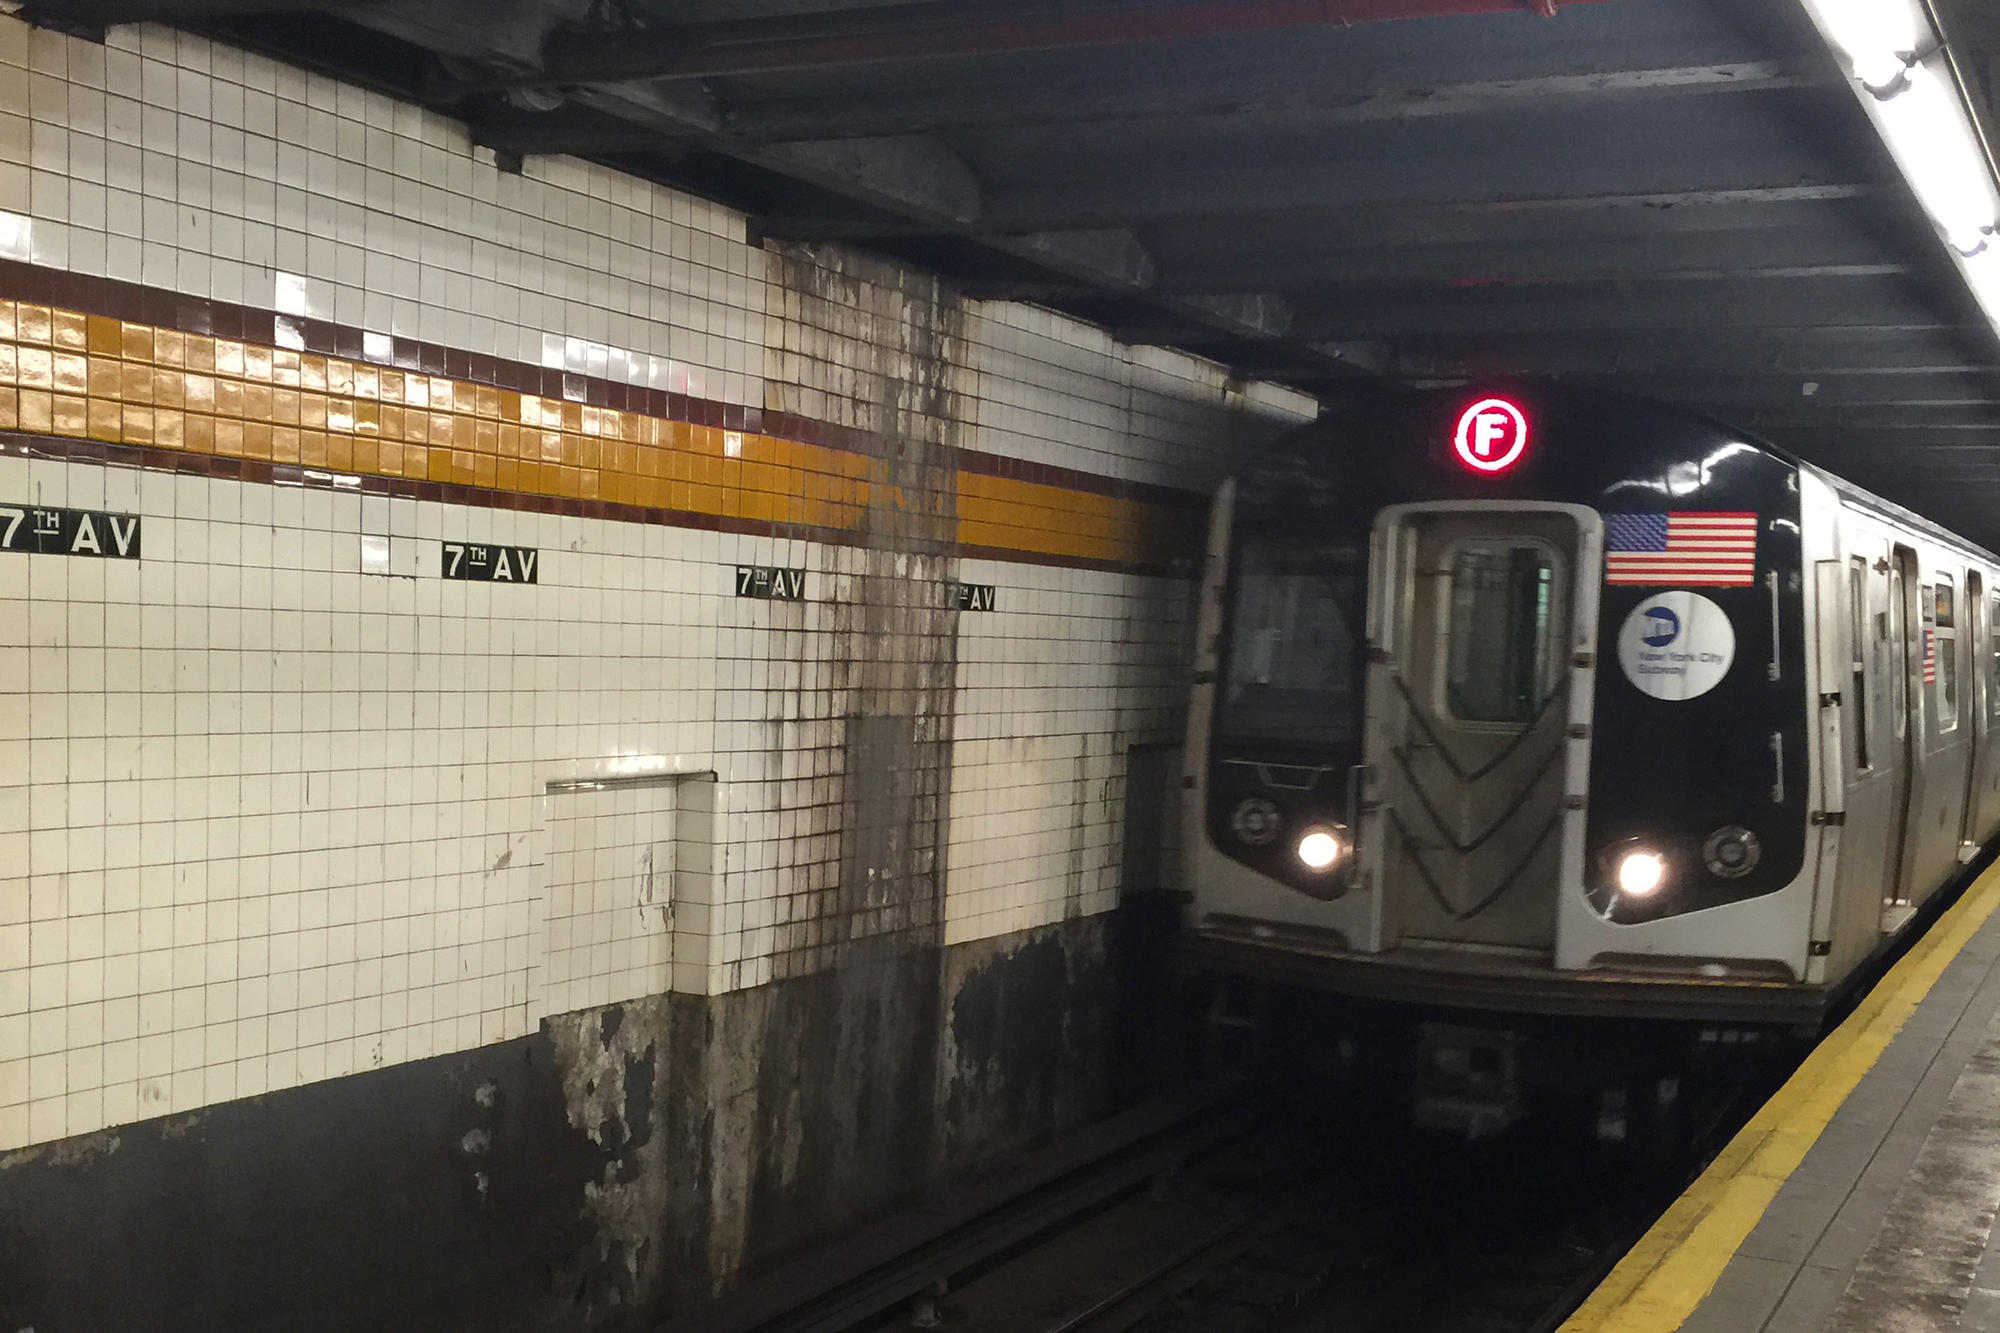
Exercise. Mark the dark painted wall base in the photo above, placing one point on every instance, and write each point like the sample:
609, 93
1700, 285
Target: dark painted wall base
644, 1156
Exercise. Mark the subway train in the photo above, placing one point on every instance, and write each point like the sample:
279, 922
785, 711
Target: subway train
1548, 701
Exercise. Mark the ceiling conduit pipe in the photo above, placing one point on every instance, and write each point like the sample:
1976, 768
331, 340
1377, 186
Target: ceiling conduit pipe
932, 31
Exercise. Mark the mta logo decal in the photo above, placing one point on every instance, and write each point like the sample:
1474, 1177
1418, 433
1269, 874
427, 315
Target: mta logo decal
1662, 627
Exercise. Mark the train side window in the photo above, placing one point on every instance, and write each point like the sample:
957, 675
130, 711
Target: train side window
1857, 651
1946, 653
1500, 657
1993, 647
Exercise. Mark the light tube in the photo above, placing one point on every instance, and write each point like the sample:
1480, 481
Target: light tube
1932, 139
1982, 273
1877, 37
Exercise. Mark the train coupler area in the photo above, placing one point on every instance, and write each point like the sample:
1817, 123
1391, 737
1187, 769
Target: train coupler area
1468, 1079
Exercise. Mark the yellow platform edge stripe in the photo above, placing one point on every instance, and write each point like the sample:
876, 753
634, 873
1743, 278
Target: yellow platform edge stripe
1664, 1277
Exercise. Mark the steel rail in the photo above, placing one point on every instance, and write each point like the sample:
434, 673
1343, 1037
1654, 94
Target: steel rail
1121, 1309
893, 1263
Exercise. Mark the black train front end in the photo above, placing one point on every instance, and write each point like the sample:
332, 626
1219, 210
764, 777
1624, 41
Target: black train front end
1506, 701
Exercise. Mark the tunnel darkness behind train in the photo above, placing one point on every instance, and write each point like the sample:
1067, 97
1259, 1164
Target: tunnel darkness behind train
1663, 773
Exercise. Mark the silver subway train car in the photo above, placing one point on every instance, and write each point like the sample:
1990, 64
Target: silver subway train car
1547, 701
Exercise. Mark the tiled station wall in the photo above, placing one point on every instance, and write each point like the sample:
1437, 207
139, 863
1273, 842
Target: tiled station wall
281, 801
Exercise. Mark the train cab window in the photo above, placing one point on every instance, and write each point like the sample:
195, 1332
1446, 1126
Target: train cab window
1857, 651
1499, 661
1293, 650
1945, 652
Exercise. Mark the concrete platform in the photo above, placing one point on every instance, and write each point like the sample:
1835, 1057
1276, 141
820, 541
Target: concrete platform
1861, 1198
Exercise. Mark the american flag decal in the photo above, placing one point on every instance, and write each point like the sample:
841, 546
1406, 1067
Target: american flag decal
1687, 548
1930, 656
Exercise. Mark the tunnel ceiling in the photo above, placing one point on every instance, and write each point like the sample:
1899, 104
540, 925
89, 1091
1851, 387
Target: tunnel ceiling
1676, 197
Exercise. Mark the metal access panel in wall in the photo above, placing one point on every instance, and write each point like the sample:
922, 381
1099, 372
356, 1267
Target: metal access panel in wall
609, 910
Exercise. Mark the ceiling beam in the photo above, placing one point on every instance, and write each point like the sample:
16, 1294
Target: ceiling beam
1895, 441
1972, 450
1927, 348
1688, 255
1545, 221
1110, 257
916, 178
922, 187
1534, 224
1325, 97
1592, 160
1092, 264
1267, 313
1862, 388
1913, 416
1532, 157
1525, 313
877, 35
898, 172
1069, 264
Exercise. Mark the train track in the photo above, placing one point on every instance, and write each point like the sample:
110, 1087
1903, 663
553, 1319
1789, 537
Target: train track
1257, 1210
891, 1271
1241, 1208
1351, 1221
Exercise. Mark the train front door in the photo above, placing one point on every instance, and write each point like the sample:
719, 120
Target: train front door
1482, 618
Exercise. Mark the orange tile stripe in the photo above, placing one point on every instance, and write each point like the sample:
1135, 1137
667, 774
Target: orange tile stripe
65, 373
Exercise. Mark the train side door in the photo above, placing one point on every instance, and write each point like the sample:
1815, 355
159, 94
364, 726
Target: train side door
1861, 770
1973, 684
1986, 794
1906, 713
1475, 617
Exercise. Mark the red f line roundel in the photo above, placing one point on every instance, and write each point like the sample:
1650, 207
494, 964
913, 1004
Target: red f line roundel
1492, 435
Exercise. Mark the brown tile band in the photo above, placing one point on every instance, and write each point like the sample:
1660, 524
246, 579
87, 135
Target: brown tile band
259, 471
70, 375
131, 302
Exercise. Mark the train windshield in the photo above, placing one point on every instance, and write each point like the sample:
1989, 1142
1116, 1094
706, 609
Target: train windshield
1292, 655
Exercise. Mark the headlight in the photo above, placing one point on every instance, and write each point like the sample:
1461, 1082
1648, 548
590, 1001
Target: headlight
1731, 852
1321, 849
1640, 872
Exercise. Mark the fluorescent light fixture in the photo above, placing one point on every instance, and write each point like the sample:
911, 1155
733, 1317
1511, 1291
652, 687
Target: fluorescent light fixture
1932, 139
1877, 38
1982, 271
1911, 93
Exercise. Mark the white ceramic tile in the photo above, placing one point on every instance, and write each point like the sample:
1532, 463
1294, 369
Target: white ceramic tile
281, 806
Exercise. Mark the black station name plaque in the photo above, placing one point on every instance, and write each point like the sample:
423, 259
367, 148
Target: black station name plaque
771, 583
475, 563
969, 596
49, 530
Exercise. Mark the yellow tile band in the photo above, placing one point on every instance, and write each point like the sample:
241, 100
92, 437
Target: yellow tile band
90, 376
1675, 1265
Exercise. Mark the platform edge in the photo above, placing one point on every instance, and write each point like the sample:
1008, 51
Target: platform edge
1674, 1266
